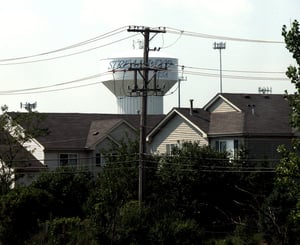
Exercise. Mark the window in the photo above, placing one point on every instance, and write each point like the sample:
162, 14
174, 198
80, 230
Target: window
101, 159
229, 145
236, 149
180, 144
68, 159
98, 159
169, 148
221, 145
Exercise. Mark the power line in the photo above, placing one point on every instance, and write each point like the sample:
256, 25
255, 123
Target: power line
108, 166
68, 55
172, 44
236, 71
31, 90
54, 85
120, 30
194, 73
55, 90
209, 74
105, 35
203, 74
209, 36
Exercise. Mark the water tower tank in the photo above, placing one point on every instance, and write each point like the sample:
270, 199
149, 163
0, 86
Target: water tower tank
121, 82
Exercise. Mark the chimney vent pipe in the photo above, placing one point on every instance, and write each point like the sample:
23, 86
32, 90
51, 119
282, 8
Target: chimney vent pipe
191, 107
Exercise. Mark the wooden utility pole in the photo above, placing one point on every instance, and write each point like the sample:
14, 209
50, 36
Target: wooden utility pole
144, 91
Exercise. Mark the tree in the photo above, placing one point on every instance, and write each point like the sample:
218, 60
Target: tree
70, 188
61, 231
116, 185
56, 199
16, 130
20, 212
292, 40
281, 214
193, 182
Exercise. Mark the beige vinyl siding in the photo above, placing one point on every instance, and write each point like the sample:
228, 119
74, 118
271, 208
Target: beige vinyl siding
221, 106
176, 130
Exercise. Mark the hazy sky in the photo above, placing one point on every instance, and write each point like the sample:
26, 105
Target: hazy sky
30, 27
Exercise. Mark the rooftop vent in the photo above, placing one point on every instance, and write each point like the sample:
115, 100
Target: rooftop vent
191, 107
252, 106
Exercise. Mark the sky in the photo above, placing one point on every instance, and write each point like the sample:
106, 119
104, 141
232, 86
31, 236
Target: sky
35, 67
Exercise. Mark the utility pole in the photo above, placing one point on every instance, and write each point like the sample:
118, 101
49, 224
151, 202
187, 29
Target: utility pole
144, 91
220, 46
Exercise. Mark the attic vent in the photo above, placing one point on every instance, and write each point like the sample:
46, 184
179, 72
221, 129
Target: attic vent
267, 96
96, 133
247, 96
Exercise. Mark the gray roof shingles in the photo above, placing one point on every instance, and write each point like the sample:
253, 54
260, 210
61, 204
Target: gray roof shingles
261, 115
198, 116
71, 130
270, 116
99, 129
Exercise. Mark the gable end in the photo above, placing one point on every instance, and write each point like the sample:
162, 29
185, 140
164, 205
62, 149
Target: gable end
221, 105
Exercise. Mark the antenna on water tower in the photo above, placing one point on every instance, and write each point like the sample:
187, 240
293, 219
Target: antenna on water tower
265, 90
28, 106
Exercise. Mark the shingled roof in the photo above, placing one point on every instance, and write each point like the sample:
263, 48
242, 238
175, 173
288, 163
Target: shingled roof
244, 115
197, 116
260, 114
71, 130
100, 129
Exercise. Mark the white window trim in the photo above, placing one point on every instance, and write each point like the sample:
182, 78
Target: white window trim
68, 159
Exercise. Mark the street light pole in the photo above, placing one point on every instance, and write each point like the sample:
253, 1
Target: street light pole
220, 46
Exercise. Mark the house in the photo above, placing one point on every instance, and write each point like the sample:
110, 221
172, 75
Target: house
178, 126
256, 123
77, 139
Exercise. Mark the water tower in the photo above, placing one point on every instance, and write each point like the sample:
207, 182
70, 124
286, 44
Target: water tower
120, 79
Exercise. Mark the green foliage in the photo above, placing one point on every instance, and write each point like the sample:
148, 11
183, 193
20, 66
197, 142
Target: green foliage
132, 224
275, 217
65, 231
116, 185
280, 212
20, 211
280, 215
70, 189
173, 228
190, 198
292, 40
195, 186
288, 170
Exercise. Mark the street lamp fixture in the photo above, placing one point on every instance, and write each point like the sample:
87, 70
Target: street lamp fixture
220, 46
